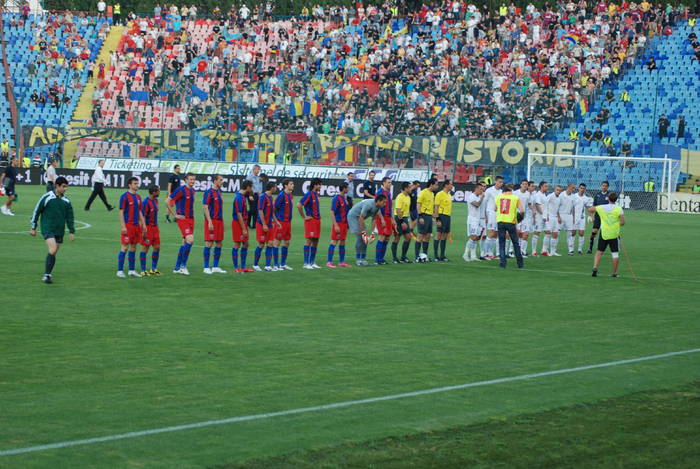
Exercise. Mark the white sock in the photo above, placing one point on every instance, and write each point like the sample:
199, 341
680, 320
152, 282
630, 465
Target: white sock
496, 247
570, 241
533, 245
482, 246
466, 247
581, 242
546, 243
523, 246
509, 246
554, 242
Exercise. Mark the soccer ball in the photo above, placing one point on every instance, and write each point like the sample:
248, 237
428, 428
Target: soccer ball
368, 238
423, 257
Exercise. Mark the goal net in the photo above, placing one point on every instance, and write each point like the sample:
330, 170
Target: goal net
626, 176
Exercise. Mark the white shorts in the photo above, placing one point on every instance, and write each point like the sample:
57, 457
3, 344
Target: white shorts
552, 224
538, 223
580, 224
524, 226
474, 227
567, 222
491, 223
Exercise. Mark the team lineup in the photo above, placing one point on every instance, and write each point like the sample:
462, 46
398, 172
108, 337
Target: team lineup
501, 222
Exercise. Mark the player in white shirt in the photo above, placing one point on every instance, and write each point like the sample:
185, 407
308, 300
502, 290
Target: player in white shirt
474, 226
581, 204
524, 226
491, 223
566, 215
552, 224
538, 202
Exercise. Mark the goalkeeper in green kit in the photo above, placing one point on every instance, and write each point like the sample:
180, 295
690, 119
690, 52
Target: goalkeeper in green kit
56, 212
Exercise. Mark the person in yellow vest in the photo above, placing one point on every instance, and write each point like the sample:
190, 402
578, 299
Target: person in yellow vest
573, 135
649, 185
691, 22
288, 158
271, 157
426, 215
443, 207
509, 211
26, 162
117, 13
503, 12
5, 151
625, 97
488, 180
611, 219
696, 187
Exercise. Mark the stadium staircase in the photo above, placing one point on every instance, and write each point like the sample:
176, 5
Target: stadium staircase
672, 89
7, 130
82, 113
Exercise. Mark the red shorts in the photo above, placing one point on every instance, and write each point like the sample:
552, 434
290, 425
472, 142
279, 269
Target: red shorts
387, 230
264, 236
217, 234
152, 237
237, 232
312, 228
186, 226
284, 232
342, 234
133, 234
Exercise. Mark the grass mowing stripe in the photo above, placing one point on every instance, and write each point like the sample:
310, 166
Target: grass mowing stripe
337, 405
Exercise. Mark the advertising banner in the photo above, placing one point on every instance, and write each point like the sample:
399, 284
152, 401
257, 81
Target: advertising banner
679, 202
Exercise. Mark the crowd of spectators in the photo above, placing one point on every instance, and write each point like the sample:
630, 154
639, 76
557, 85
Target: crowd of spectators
453, 69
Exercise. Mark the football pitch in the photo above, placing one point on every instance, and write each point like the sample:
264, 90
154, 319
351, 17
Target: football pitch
319, 368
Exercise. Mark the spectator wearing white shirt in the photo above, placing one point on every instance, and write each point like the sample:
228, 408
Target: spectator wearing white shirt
51, 174
98, 187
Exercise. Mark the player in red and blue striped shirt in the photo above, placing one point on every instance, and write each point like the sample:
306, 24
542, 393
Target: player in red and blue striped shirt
311, 211
132, 227
239, 227
385, 223
183, 199
149, 209
213, 224
339, 230
284, 206
265, 227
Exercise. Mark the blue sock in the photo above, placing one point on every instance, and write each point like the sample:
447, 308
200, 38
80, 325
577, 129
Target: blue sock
258, 251
132, 260
234, 258
186, 253
378, 252
244, 257
154, 259
312, 255
120, 261
341, 253
217, 256
268, 256
276, 255
331, 250
178, 264
207, 253
307, 251
142, 260
285, 251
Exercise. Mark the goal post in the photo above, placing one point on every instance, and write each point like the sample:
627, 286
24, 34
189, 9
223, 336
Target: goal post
625, 175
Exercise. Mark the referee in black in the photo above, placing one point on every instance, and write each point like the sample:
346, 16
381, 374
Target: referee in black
173, 183
369, 187
98, 187
601, 198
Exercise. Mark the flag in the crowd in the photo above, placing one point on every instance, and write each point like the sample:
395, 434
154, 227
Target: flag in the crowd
437, 111
200, 93
139, 96
573, 38
306, 108
347, 153
583, 104
231, 154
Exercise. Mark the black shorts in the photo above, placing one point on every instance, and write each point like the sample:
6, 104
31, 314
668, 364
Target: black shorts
604, 243
427, 226
399, 228
596, 221
10, 189
414, 215
59, 239
444, 226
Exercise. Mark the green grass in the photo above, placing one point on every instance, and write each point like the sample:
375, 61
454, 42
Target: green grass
94, 355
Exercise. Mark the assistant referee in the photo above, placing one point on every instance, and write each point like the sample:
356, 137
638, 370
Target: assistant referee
507, 208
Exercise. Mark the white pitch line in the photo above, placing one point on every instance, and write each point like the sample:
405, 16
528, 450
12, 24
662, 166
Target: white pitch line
587, 274
84, 226
336, 405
